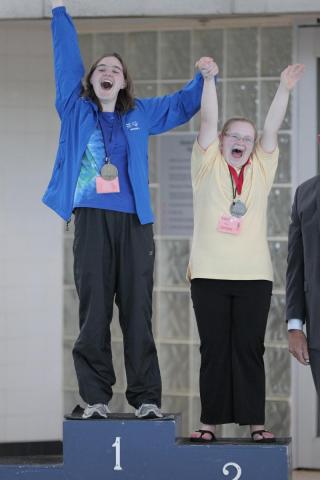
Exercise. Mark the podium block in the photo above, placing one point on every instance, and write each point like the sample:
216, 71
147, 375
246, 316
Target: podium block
125, 448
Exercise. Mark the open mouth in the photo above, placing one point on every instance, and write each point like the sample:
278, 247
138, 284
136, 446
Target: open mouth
106, 84
237, 152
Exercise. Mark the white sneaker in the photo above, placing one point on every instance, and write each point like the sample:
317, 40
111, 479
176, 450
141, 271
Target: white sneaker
97, 410
148, 410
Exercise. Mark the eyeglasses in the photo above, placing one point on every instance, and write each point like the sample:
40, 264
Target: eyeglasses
237, 138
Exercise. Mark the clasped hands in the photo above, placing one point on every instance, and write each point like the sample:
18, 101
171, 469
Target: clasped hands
207, 67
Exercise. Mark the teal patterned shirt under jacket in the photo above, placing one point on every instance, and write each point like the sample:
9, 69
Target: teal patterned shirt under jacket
92, 162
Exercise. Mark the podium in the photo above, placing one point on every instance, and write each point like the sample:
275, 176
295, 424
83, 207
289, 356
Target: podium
125, 448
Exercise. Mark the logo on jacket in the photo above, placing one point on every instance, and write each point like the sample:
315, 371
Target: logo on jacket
133, 126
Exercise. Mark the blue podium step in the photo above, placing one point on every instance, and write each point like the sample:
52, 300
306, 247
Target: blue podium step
124, 448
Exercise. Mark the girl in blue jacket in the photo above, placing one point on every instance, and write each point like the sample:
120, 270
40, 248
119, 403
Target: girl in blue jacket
101, 174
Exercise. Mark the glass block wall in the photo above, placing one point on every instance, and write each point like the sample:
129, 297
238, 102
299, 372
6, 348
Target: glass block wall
250, 60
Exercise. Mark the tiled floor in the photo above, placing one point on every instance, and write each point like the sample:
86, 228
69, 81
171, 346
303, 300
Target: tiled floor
306, 475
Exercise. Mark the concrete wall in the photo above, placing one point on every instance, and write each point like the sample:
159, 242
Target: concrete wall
30, 240
100, 8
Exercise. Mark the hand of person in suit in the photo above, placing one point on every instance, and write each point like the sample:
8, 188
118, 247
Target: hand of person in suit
298, 346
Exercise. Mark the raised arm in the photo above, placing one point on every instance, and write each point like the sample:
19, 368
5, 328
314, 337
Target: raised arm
209, 103
289, 77
68, 65
170, 111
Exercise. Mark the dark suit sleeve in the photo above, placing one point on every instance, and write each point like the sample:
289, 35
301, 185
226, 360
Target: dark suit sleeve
295, 296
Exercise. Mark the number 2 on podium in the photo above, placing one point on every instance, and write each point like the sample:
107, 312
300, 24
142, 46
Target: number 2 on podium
225, 470
116, 445
236, 466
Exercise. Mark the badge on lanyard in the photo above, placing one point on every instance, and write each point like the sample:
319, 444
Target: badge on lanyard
229, 224
107, 186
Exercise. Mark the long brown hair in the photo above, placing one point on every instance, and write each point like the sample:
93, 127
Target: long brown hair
125, 99
238, 119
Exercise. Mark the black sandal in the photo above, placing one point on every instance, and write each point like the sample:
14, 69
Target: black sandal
263, 439
201, 439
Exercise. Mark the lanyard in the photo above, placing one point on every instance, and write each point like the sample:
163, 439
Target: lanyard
237, 180
110, 143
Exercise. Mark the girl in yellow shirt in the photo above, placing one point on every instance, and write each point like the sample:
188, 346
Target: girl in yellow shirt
230, 267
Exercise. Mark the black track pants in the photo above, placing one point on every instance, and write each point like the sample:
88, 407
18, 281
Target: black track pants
114, 259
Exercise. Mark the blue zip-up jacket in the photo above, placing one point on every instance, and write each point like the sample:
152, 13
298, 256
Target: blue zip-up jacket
79, 117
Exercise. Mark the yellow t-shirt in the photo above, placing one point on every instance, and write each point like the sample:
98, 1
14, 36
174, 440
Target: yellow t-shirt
218, 255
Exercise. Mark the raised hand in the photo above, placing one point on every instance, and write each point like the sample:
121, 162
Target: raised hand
288, 79
291, 75
209, 103
207, 67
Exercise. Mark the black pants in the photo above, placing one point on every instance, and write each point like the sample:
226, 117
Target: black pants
114, 260
231, 317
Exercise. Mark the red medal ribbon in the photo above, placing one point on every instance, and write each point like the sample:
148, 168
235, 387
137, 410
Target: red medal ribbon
238, 179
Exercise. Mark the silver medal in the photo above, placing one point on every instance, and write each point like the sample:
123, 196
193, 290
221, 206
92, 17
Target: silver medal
238, 209
109, 171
